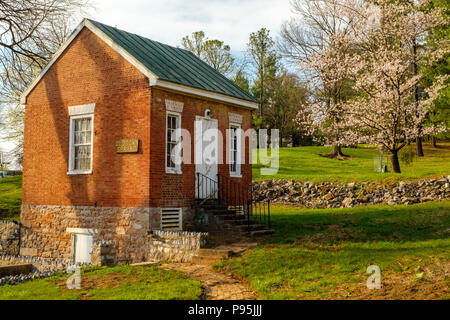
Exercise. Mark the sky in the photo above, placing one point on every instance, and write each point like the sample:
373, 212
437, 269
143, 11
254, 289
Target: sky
168, 21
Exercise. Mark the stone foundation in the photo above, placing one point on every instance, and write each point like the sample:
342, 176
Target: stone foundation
45, 230
103, 253
9, 238
119, 234
176, 246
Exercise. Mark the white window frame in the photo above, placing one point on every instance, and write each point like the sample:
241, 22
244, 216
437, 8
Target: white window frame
71, 164
177, 169
238, 172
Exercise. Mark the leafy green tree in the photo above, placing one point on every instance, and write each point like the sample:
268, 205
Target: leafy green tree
440, 113
241, 80
286, 97
261, 49
195, 43
213, 52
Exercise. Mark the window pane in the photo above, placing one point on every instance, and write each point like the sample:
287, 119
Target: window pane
82, 158
233, 149
81, 137
172, 125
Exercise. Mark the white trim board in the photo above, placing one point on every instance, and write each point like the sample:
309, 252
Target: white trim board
82, 109
82, 231
153, 79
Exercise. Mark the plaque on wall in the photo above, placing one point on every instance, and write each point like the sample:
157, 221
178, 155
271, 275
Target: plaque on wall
127, 146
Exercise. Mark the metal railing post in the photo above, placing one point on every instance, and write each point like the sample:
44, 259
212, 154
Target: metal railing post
218, 189
198, 185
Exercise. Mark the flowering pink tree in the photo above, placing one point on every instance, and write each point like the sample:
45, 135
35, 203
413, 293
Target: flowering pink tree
318, 43
324, 113
387, 111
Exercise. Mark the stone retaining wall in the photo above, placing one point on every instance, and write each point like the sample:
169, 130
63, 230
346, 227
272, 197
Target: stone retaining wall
344, 195
15, 270
41, 268
9, 238
176, 246
39, 264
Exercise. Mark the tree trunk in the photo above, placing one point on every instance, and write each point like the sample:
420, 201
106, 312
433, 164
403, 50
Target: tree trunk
261, 94
337, 151
295, 139
395, 164
419, 148
434, 141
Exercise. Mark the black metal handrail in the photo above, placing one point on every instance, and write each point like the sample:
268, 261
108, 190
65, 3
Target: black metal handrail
261, 211
206, 188
234, 196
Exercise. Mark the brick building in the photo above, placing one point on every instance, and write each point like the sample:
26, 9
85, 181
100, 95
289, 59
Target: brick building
99, 122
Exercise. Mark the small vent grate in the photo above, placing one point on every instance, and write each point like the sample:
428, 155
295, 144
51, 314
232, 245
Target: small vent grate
171, 219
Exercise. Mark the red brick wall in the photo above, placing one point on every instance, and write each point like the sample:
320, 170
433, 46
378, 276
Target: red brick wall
89, 71
179, 190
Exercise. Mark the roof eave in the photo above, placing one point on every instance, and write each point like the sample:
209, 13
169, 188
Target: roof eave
204, 93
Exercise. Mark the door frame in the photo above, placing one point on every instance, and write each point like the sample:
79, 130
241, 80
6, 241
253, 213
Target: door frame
197, 166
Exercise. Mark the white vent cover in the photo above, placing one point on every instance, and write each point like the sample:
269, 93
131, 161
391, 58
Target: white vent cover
171, 219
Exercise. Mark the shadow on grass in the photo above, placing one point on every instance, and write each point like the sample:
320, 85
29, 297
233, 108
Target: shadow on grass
362, 224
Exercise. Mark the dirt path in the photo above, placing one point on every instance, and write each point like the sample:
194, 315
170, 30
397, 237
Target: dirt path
216, 285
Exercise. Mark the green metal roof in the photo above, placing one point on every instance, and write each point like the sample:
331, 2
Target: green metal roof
174, 64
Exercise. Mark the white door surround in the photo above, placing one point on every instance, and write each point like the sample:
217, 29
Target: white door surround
206, 155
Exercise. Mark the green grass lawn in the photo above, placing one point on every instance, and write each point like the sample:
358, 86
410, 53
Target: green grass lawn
304, 163
116, 283
324, 253
10, 198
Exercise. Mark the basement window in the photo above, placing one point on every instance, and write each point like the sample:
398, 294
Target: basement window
171, 219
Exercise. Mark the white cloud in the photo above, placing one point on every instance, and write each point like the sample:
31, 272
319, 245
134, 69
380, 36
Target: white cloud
168, 21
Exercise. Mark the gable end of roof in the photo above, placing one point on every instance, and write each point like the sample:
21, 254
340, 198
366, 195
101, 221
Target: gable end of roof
165, 66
